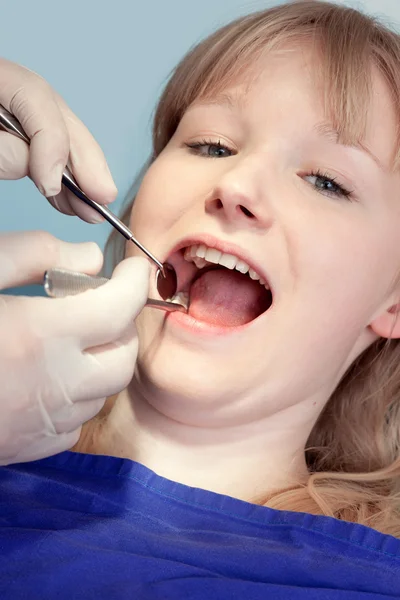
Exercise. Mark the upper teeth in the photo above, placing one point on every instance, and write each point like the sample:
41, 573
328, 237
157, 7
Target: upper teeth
202, 256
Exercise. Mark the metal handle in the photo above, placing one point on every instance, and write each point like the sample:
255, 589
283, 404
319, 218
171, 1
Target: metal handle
10, 124
59, 283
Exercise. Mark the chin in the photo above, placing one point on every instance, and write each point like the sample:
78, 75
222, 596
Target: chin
171, 368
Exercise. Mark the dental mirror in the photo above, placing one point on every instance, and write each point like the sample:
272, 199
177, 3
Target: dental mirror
167, 284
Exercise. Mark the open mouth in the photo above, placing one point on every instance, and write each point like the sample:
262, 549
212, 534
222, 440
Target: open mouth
219, 288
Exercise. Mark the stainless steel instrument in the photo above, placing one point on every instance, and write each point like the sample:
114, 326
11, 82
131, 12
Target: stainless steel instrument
166, 276
59, 283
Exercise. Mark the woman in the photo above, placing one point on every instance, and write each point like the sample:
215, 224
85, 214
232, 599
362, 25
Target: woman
256, 450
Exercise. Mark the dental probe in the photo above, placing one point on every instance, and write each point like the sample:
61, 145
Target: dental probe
167, 282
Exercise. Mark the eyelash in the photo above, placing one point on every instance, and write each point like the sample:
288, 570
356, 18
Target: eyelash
342, 191
202, 143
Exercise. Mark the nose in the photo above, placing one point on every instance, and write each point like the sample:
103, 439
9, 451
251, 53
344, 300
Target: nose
239, 197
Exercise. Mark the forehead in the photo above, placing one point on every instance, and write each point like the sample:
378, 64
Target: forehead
295, 77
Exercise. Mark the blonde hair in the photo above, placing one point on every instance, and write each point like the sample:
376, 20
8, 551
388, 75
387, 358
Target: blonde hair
353, 451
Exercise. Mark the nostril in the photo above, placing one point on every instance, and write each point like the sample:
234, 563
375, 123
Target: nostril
246, 211
217, 204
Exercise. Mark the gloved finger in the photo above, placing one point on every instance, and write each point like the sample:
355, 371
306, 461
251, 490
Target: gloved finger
14, 157
78, 377
101, 316
109, 368
87, 160
89, 166
25, 256
61, 203
82, 210
70, 417
44, 446
32, 101
14, 164
66, 202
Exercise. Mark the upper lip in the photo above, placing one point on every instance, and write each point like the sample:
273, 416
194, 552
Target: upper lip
224, 246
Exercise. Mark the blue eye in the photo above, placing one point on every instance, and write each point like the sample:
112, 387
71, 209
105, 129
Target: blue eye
210, 149
321, 182
327, 185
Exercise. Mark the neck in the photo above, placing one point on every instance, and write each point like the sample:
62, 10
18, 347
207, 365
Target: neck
248, 461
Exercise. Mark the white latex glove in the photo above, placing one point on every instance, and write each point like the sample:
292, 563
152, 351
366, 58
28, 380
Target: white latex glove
57, 137
61, 357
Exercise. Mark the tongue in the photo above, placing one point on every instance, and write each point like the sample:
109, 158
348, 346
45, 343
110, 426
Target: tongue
227, 298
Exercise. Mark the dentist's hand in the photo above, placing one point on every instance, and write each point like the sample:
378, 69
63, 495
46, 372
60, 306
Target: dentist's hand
57, 136
61, 357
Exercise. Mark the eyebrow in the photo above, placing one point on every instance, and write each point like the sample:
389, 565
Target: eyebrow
326, 130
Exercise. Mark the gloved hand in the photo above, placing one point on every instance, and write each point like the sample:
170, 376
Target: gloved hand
57, 136
61, 357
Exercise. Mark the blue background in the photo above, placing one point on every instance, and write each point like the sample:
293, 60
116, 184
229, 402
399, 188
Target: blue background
110, 62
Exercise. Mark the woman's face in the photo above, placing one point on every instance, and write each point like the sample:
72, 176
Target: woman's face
259, 174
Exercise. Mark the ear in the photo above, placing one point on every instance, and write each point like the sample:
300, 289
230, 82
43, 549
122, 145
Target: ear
387, 324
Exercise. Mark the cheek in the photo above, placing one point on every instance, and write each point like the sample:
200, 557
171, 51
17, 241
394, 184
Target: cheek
340, 275
164, 196
148, 203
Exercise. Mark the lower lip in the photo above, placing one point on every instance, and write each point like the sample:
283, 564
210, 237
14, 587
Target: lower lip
185, 321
